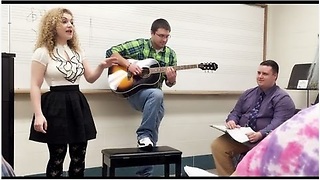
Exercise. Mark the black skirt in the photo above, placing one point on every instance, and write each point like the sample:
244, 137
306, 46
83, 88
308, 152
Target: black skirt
68, 117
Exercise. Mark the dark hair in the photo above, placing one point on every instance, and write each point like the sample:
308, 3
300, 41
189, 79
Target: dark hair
272, 63
160, 23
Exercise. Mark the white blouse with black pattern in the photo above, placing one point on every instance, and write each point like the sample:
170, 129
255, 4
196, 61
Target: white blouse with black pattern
59, 69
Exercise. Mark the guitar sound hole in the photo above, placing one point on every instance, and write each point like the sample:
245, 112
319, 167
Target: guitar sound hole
145, 73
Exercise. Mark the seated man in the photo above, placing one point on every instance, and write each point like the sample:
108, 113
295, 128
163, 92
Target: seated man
263, 108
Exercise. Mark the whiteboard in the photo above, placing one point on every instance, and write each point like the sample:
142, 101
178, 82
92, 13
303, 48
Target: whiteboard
229, 35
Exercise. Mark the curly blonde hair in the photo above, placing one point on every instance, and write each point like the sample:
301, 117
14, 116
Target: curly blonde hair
48, 33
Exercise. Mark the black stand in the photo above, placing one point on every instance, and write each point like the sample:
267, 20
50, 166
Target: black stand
300, 72
126, 157
7, 111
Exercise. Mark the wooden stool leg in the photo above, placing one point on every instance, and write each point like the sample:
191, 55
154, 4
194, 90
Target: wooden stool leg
166, 170
104, 170
112, 172
104, 167
178, 168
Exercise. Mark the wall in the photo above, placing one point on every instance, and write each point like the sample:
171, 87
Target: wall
229, 35
185, 126
291, 39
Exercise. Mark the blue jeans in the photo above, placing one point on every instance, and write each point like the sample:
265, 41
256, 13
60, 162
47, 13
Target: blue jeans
150, 103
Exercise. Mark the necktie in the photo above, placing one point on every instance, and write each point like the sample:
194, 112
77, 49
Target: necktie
254, 112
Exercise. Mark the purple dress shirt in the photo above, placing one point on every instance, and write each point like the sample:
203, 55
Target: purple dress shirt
276, 107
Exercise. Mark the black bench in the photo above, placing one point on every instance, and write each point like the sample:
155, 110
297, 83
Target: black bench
127, 157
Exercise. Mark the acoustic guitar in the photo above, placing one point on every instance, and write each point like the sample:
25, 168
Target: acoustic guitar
124, 83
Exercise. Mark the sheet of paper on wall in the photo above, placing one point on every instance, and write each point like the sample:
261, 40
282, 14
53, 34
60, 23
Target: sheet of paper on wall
197, 172
238, 134
302, 84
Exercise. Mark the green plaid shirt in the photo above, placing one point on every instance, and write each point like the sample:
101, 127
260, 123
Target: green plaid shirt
141, 49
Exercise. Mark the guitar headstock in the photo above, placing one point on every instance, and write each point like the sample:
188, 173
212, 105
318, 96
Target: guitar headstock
208, 66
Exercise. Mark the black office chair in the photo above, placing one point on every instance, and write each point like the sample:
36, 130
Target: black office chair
317, 100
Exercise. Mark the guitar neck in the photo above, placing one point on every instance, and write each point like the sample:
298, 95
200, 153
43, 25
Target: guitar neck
163, 69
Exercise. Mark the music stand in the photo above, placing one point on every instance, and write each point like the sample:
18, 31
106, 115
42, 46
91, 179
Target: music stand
299, 79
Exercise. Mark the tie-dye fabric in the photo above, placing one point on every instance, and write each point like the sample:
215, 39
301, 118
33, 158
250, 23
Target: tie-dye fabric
292, 149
